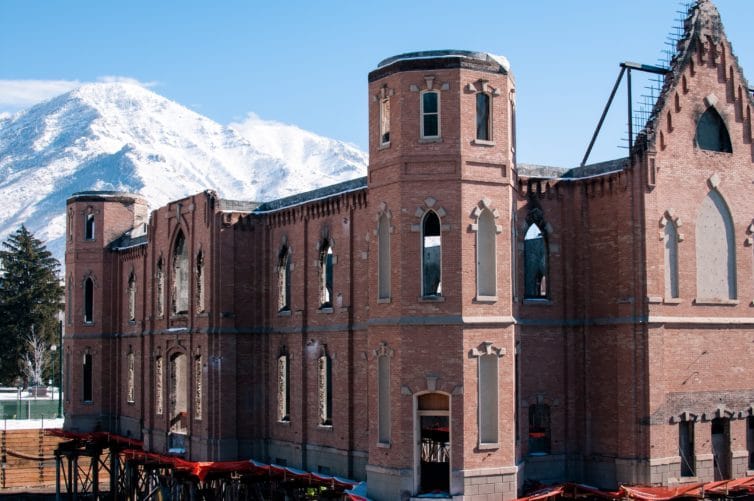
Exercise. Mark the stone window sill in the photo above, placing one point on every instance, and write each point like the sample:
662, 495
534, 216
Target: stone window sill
284, 313
483, 142
485, 299
383, 445
534, 300
432, 299
488, 447
427, 140
383, 300
326, 310
384, 146
716, 302
673, 300
284, 422
324, 427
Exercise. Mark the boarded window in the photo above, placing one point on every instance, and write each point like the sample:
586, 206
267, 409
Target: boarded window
431, 255
385, 121
198, 387
711, 132
284, 279
324, 389
535, 263
383, 398
488, 399
284, 391
131, 297
383, 257
671, 260
131, 392
326, 275
180, 275
539, 429
200, 282
89, 227
160, 289
430, 114
686, 448
486, 255
483, 117
715, 250
88, 301
178, 393
87, 377
158, 375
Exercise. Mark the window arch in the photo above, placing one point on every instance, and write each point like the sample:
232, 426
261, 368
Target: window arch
431, 255
326, 274
284, 279
132, 297
711, 132
671, 260
430, 114
486, 258
180, 275
715, 250
88, 300
383, 256
535, 263
483, 116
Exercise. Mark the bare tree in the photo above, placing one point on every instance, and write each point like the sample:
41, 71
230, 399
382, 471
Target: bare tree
34, 359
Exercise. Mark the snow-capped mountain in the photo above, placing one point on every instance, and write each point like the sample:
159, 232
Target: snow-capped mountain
120, 136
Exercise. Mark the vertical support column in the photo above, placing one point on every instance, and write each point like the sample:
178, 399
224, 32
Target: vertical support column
630, 112
57, 476
74, 473
95, 471
114, 472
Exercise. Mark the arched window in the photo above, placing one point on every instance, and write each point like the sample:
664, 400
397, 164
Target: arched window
539, 429
483, 117
383, 398
324, 387
180, 275
384, 121
131, 381
132, 297
200, 282
89, 227
430, 114
535, 263
711, 132
431, 255
87, 377
671, 260
715, 250
284, 390
284, 279
88, 300
160, 289
326, 276
383, 257
486, 269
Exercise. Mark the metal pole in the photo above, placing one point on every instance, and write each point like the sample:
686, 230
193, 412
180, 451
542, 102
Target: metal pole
60, 365
630, 113
604, 114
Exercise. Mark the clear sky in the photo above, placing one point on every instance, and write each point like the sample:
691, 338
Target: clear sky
306, 62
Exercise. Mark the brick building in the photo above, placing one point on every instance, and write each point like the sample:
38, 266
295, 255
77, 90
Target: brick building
454, 321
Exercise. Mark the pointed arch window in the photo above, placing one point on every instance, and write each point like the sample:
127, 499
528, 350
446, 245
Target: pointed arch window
383, 256
89, 227
431, 255
180, 275
132, 297
284, 279
486, 258
383, 354
535, 263
200, 294
483, 117
671, 260
715, 250
711, 132
326, 275
88, 300
384, 121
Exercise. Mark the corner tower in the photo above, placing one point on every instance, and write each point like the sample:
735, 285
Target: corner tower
441, 331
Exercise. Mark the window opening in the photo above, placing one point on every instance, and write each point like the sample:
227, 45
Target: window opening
180, 275
131, 297
486, 255
434, 442
160, 289
89, 227
430, 114
711, 132
385, 121
383, 398
671, 260
88, 377
69, 303
483, 117
325, 263
158, 385
431, 255
284, 392
750, 440
324, 382
686, 448
178, 393
198, 387
721, 454
383, 258
88, 301
488, 399
535, 263
131, 393
200, 282
539, 429
284, 279
715, 250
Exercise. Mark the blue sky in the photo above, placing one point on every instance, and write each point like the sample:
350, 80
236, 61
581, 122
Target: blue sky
306, 62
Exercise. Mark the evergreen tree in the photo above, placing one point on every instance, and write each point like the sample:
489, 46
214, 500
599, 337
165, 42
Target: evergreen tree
30, 299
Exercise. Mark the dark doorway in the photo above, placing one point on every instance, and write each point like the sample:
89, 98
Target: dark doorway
721, 448
435, 454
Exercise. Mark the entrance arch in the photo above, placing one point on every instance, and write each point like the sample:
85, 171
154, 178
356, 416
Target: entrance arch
432, 433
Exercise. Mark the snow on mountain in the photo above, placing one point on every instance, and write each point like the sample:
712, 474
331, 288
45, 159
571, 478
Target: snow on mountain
120, 136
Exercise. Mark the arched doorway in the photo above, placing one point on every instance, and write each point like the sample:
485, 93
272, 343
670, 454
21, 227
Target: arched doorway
433, 442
